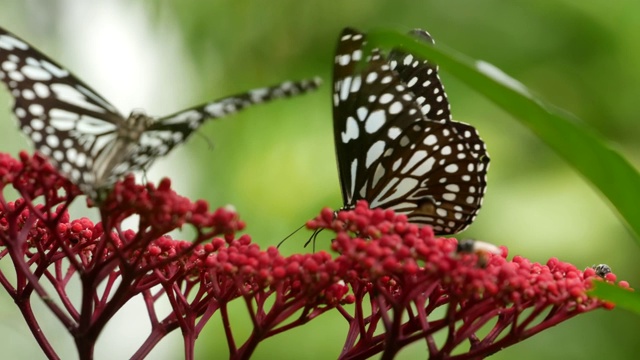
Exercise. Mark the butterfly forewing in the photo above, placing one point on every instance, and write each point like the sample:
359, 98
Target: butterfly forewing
67, 121
167, 132
396, 145
370, 110
422, 79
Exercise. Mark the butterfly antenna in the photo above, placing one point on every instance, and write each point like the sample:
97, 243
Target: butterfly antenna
288, 236
206, 138
144, 178
313, 238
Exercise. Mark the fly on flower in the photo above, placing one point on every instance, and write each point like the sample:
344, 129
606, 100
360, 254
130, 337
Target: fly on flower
483, 250
84, 136
602, 270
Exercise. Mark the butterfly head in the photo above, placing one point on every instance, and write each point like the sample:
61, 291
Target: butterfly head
136, 124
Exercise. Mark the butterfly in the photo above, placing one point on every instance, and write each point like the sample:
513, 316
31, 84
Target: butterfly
396, 144
86, 137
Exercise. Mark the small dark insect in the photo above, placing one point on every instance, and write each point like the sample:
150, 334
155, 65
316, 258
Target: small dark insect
601, 269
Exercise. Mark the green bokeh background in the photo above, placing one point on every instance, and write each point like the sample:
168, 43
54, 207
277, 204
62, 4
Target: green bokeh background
276, 163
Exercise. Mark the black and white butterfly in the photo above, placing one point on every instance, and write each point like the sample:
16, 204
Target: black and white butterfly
84, 136
396, 144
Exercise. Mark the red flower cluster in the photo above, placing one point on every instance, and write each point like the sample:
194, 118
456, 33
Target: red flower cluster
407, 274
198, 277
387, 277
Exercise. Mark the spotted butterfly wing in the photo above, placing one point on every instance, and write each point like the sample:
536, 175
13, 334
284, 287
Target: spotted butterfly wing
161, 136
83, 135
396, 145
421, 78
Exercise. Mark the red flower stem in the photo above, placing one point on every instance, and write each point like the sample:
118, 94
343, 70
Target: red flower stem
186, 321
108, 288
189, 345
6, 284
506, 319
468, 330
537, 310
180, 305
92, 321
149, 302
157, 334
451, 325
25, 308
23, 273
301, 320
376, 315
211, 308
226, 324
391, 348
62, 296
549, 323
423, 320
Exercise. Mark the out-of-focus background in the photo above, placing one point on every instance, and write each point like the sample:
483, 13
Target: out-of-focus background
276, 162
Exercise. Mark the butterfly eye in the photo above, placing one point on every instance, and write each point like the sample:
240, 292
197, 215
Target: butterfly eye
396, 144
84, 136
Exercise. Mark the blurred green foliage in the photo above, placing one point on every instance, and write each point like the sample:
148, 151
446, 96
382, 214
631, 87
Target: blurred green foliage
276, 163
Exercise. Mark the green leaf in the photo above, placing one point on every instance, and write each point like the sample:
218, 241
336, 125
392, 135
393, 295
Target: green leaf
580, 146
623, 298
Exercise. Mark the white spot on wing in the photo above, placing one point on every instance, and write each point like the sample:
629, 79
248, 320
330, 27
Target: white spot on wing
41, 90
430, 140
395, 189
355, 84
416, 157
374, 152
9, 43
375, 121
352, 187
345, 88
351, 130
215, 109
378, 175
71, 95
36, 73
362, 113
393, 132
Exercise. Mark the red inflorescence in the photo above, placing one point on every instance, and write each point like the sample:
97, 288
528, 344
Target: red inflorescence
393, 275
405, 267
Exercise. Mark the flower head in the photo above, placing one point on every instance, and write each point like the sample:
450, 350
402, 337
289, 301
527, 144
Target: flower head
407, 273
198, 277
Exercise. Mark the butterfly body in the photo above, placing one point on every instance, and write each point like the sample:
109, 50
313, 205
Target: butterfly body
396, 144
85, 136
